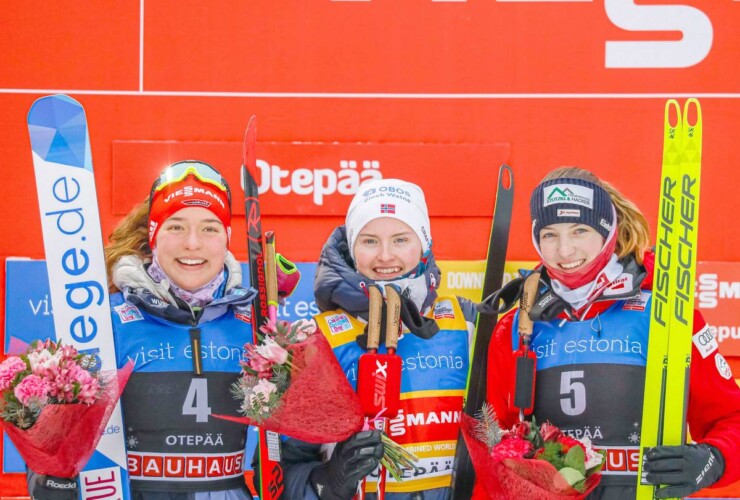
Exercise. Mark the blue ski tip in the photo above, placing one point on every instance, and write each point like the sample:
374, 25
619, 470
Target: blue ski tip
58, 130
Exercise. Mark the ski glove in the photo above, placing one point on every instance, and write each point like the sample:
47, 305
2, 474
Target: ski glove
42, 487
351, 461
682, 469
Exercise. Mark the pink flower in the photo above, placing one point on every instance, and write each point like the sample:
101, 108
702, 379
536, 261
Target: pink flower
260, 365
272, 351
9, 369
521, 429
32, 390
270, 326
549, 432
514, 447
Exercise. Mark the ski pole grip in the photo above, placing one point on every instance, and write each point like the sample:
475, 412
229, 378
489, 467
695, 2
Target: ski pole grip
393, 323
529, 295
375, 318
270, 270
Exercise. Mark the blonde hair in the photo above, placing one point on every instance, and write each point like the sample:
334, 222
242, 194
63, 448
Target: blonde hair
130, 237
633, 235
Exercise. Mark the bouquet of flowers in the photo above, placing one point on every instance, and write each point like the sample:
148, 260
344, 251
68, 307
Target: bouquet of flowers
292, 384
54, 406
529, 460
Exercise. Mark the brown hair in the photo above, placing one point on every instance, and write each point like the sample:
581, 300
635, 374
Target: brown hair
130, 237
634, 232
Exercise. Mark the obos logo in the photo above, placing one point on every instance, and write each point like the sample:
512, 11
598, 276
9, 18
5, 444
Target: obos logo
444, 309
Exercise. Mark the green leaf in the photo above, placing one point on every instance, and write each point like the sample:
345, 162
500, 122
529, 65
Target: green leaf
572, 476
576, 459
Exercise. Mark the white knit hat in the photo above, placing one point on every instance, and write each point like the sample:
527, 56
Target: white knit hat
389, 198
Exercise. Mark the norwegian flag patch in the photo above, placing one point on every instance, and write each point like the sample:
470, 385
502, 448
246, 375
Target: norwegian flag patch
387, 208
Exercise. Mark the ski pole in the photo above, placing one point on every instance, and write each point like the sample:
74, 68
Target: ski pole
526, 361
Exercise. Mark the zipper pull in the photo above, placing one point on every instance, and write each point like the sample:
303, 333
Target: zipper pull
195, 347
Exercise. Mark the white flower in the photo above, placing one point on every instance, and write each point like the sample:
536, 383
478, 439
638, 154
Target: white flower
42, 361
261, 392
592, 457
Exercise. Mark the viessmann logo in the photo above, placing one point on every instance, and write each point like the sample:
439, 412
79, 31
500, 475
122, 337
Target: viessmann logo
568, 193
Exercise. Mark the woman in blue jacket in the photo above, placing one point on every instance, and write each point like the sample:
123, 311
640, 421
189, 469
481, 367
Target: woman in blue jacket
387, 239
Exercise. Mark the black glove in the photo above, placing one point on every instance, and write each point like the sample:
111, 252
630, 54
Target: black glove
683, 469
351, 461
41, 487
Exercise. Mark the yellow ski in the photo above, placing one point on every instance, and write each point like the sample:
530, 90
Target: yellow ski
672, 310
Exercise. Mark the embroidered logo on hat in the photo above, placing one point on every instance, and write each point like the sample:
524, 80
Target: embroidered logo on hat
387, 208
568, 193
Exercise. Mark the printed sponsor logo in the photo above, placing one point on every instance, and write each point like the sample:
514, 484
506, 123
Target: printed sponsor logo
722, 366
636, 304
444, 310
605, 224
197, 203
195, 467
442, 424
569, 212
51, 483
128, 313
338, 323
568, 193
318, 182
620, 460
705, 342
243, 313
189, 191
711, 290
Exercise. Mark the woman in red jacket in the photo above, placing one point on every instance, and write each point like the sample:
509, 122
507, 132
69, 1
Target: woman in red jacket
591, 320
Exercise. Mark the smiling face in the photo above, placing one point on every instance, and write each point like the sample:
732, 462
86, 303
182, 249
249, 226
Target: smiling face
386, 248
569, 247
191, 247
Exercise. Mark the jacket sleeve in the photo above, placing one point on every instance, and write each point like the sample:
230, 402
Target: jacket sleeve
714, 402
298, 460
502, 371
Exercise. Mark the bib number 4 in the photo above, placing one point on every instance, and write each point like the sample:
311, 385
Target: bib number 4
196, 400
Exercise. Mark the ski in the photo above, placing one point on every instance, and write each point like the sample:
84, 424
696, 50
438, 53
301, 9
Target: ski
464, 475
672, 303
270, 471
73, 245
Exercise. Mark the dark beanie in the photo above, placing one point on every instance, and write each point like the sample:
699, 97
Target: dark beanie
575, 201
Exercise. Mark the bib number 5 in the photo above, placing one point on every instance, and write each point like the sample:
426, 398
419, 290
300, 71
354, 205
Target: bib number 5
572, 392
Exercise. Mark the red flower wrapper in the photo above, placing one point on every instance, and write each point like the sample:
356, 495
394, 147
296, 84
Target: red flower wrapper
319, 405
64, 436
517, 477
